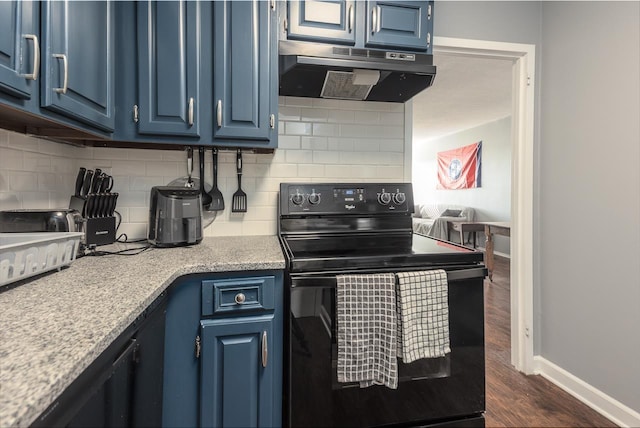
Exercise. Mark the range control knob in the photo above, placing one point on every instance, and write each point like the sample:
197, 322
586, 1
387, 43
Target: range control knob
314, 198
384, 198
297, 199
399, 198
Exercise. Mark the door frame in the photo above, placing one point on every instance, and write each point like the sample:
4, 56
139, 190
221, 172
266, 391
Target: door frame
522, 181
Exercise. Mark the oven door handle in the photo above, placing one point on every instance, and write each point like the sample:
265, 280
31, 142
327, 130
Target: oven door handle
330, 281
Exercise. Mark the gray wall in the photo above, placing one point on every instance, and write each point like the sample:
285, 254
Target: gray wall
588, 273
492, 201
586, 282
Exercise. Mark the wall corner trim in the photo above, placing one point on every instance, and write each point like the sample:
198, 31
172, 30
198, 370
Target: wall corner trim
602, 403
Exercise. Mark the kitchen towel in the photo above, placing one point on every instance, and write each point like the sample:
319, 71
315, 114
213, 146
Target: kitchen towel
367, 328
423, 315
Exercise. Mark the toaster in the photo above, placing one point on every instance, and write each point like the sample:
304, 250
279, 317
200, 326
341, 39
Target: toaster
41, 220
175, 216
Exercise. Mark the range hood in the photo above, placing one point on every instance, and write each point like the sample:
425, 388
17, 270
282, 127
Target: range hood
326, 71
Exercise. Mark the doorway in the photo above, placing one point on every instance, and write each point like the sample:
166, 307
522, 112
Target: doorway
522, 57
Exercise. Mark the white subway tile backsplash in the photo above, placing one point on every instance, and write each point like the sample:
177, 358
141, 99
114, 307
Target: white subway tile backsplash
10, 200
298, 128
23, 181
326, 157
320, 140
161, 169
313, 115
12, 159
289, 113
313, 143
299, 156
23, 142
46, 181
4, 138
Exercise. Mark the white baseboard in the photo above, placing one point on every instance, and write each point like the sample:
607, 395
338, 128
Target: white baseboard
607, 406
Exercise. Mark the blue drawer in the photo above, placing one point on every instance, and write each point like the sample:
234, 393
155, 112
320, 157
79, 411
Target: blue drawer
237, 295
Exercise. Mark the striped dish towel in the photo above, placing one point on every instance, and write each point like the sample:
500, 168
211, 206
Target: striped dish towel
423, 315
367, 328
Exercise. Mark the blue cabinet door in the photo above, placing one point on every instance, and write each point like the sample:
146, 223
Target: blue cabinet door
399, 24
169, 68
78, 61
236, 378
244, 73
19, 48
328, 21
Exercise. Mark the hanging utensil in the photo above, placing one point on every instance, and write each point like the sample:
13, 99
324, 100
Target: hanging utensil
189, 182
239, 203
206, 198
217, 200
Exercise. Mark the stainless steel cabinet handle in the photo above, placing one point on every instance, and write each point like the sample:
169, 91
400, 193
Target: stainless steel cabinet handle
219, 113
428, 40
191, 111
350, 18
374, 20
198, 347
240, 298
136, 113
65, 79
265, 349
379, 20
36, 57
273, 4
429, 12
272, 121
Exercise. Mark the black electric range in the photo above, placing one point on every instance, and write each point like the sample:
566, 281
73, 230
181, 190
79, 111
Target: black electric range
328, 229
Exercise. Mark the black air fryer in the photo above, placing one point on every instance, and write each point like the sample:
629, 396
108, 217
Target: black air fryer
175, 216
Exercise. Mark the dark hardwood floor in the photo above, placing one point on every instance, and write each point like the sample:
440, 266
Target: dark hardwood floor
513, 399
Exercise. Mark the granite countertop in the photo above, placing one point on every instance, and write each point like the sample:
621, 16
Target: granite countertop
53, 327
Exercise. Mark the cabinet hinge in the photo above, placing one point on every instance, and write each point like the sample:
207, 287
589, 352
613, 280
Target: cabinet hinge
198, 347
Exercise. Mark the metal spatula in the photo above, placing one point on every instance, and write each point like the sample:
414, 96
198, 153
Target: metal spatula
239, 203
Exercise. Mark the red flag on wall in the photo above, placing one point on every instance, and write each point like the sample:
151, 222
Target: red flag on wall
460, 168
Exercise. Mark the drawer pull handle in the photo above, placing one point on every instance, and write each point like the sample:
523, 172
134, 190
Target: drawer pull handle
265, 349
65, 78
240, 298
36, 57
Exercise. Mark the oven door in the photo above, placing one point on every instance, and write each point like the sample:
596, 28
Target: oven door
430, 391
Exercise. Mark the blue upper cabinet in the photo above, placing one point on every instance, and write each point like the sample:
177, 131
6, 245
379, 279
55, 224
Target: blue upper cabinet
78, 61
244, 73
403, 24
328, 21
19, 48
391, 24
169, 61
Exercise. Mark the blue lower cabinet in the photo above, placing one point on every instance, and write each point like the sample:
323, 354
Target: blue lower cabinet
236, 376
223, 351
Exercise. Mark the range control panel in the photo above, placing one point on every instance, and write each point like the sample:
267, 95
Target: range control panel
345, 198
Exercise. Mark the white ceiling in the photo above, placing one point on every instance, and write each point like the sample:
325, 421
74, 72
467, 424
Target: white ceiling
467, 92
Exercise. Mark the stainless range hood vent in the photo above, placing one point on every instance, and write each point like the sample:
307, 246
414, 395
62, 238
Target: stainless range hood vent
344, 85
324, 71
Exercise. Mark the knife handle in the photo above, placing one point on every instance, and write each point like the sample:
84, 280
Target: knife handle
79, 181
86, 187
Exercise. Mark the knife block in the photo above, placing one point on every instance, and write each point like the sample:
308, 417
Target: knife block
100, 231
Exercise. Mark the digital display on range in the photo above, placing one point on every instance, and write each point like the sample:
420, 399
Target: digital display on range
351, 195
